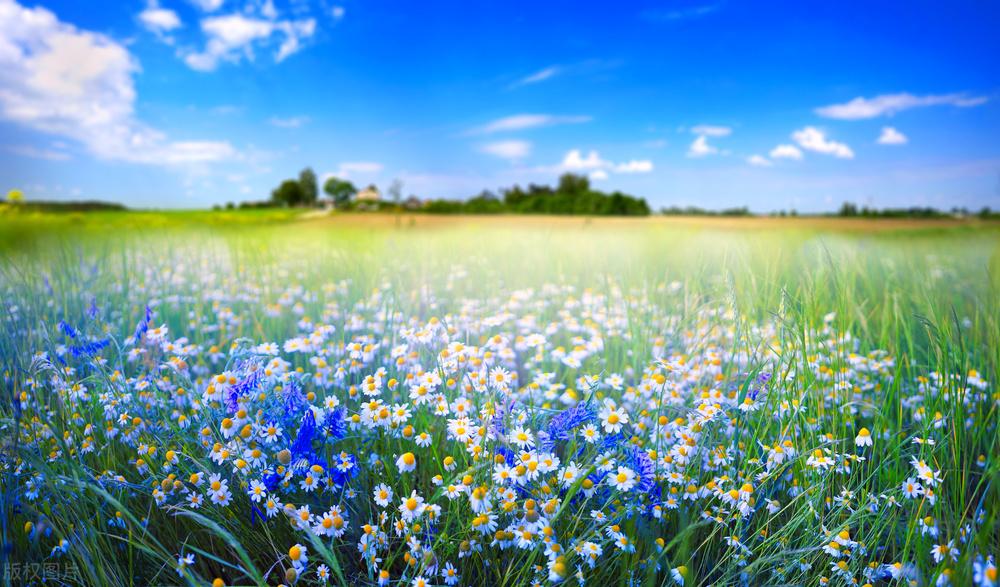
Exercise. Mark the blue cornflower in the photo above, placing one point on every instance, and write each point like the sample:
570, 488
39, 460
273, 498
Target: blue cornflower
93, 310
640, 462
271, 481
508, 455
67, 329
564, 422
256, 513
294, 402
761, 382
335, 424
143, 325
611, 442
341, 477
302, 447
244, 386
89, 348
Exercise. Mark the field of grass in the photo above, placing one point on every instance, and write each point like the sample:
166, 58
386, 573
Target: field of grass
262, 398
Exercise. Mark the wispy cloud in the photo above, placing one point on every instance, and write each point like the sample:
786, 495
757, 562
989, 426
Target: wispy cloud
291, 122
677, 14
512, 149
538, 76
227, 109
861, 108
360, 167
635, 166
36, 153
526, 121
712, 130
207, 5
580, 68
232, 37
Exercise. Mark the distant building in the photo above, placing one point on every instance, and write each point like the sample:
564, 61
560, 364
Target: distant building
413, 203
369, 194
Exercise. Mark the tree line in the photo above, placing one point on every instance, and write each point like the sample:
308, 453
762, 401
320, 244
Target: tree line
572, 195
851, 210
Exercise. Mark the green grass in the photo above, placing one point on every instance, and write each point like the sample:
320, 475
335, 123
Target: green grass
763, 297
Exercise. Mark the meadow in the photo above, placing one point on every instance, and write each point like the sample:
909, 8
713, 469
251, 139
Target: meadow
259, 397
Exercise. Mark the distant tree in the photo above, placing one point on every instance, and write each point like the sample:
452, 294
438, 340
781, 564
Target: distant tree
340, 190
572, 184
848, 209
289, 193
15, 196
310, 191
396, 191
514, 196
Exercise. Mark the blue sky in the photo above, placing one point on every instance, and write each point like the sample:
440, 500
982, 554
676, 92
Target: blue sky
188, 103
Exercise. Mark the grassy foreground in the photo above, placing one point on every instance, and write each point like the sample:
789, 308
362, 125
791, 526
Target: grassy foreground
262, 398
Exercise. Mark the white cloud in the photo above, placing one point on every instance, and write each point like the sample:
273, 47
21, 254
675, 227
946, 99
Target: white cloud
635, 166
700, 147
594, 165
77, 84
196, 152
712, 130
159, 20
681, 14
526, 121
337, 12
786, 152
889, 104
580, 68
354, 168
291, 122
232, 38
207, 5
891, 136
538, 76
813, 139
760, 161
574, 161
269, 10
512, 149
36, 153
295, 31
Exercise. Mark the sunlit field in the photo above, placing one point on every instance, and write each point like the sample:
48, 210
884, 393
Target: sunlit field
262, 398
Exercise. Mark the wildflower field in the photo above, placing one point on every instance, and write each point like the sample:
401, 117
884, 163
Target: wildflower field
394, 401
